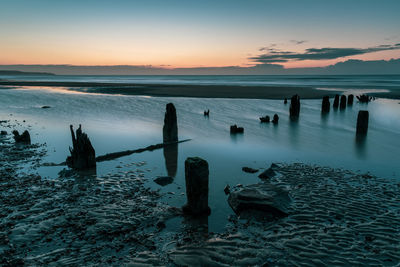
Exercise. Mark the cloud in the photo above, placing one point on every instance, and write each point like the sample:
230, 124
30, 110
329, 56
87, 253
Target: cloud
275, 55
298, 41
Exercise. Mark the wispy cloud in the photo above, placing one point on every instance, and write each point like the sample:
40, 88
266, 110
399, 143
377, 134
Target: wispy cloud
278, 56
298, 41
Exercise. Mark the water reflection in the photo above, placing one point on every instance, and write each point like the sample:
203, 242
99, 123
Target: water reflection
294, 132
361, 146
171, 159
235, 138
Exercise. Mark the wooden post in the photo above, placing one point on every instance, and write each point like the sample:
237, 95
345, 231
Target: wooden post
170, 129
343, 102
196, 177
326, 105
362, 122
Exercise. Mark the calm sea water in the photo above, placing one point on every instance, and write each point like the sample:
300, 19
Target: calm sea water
116, 123
391, 82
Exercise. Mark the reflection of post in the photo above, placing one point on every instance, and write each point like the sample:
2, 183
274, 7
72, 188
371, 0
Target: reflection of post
171, 159
196, 177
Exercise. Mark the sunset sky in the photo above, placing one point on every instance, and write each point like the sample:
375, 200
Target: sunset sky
198, 33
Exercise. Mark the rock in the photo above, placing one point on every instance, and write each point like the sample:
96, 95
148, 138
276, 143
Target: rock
45, 107
343, 102
164, 180
235, 129
160, 225
227, 189
196, 178
350, 100
25, 137
268, 173
3, 133
262, 197
362, 122
364, 98
264, 119
249, 170
275, 120
336, 101
170, 129
326, 105
207, 113
294, 109
83, 155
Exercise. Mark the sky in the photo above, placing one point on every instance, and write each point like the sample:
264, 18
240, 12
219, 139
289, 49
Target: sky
207, 33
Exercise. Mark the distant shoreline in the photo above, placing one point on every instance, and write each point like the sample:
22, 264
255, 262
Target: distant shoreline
196, 91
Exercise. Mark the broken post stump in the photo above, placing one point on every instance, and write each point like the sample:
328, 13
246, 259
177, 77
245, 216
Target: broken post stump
336, 101
294, 109
285, 101
362, 122
83, 155
25, 137
343, 102
326, 105
170, 129
275, 119
235, 129
196, 178
350, 100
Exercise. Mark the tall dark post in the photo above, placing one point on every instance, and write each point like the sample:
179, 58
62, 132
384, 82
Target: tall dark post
83, 155
343, 102
170, 129
362, 122
336, 102
196, 177
326, 105
350, 100
294, 109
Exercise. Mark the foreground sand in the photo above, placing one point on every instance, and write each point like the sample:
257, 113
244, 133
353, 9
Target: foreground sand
337, 217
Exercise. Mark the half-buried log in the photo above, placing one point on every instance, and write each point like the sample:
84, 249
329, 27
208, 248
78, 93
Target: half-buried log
83, 155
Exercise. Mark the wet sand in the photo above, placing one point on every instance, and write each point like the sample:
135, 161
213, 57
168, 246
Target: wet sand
165, 90
336, 217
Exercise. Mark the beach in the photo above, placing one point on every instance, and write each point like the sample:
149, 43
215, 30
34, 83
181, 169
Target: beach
344, 191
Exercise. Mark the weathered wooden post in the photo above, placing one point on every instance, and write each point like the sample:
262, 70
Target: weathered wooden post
326, 105
83, 155
196, 177
285, 101
294, 109
170, 129
336, 102
350, 100
362, 122
343, 102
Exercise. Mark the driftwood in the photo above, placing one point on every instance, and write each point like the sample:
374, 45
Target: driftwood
115, 155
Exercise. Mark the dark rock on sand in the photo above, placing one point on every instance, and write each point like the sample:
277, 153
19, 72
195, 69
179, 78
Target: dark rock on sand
227, 189
83, 155
3, 133
265, 119
275, 120
196, 178
235, 129
46, 107
261, 197
164, 180
268, 173
23, 138
326, 105
336, 101
294, 109
249, 170
362, 122
207, 113
170, 129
